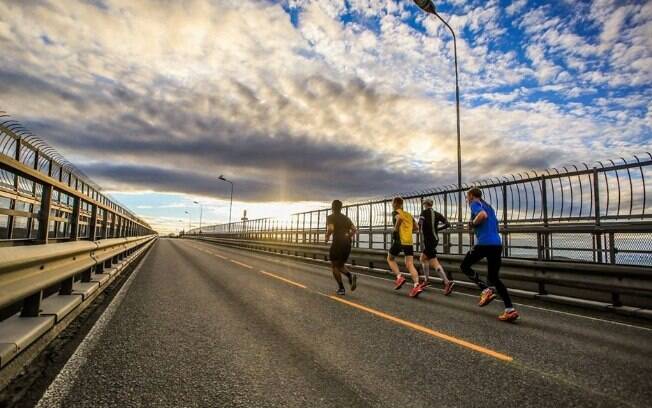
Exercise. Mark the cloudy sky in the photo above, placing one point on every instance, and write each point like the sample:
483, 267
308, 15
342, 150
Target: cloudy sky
301, 101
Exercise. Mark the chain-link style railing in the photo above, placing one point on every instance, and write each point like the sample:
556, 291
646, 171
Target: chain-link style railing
44, 197
600, 213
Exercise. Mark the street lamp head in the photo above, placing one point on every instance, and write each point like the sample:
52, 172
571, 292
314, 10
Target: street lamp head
426, 5
196, 202
221, 177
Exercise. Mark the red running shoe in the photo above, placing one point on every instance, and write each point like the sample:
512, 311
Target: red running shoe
416, 290
448, 288
508, 316
400, 280
486, 297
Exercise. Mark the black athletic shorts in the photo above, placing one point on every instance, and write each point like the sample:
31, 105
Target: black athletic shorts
397, 248
430, 248
339, 253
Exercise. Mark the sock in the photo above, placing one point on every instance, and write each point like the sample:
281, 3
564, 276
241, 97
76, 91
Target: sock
441, 273
426, 270
509, 309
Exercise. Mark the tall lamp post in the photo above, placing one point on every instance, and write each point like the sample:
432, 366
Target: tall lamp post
201, 213
221, 177
429, 7
189, 221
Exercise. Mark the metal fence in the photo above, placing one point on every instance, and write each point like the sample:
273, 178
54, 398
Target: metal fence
45, 198
600, 213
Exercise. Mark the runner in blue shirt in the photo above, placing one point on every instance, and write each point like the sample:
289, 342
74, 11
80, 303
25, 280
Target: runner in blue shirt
488, 244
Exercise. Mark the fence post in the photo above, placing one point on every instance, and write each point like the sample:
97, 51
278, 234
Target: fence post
544, 247
371, 221
357, 223
447, 234
597, 235
318, 224
74, 219
44, 214
505, 233
385, 225
310, 237
93, 224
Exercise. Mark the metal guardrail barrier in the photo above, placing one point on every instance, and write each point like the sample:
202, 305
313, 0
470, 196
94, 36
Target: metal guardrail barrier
26, 271
44, 198
604, 283
599, 214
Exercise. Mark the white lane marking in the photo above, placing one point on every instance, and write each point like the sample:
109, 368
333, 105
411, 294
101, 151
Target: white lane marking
64, 381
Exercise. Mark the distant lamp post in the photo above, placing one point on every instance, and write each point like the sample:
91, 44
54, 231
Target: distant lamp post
429, 7
221, 177
189, 221
201, 213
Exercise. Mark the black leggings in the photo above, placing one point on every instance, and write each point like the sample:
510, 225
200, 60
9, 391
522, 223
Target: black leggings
493, 253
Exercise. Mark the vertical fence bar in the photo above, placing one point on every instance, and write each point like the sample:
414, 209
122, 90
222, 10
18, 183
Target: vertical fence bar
385, 225
597, 236
371, 222
44, 214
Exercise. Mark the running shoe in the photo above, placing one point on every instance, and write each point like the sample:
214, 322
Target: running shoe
508, 316
400, 280
416, 290
354, 281
448, 288
486, 297
341, 292
425, 283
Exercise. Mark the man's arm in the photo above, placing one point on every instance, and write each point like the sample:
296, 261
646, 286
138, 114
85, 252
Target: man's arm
415, 225
329, 231
443, 221
480, 216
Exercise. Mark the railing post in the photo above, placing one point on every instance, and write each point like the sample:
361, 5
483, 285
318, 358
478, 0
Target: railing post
74, 219
66, 286
318, 224
371, 223
32, 305
44, 214
596, 195
310, 236
385, 225
93, 225
505, 233
357, 223
447, 234
544, 240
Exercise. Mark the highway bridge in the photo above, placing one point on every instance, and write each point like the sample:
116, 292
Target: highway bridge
97, 310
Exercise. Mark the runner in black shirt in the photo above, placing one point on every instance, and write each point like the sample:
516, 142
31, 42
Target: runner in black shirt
342, 229
430, 223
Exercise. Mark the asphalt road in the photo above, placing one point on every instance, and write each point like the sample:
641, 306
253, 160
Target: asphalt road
196, 329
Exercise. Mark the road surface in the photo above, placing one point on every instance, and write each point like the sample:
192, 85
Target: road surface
205, 326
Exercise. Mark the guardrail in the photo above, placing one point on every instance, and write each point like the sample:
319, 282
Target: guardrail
72, 270
26, 271
600, 214
45, 198
623, 287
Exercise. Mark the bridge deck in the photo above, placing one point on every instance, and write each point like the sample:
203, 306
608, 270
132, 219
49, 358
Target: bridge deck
195, 328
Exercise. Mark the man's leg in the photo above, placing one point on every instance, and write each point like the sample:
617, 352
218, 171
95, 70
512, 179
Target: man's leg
471, 258
494, 261
434, 262
425, 264
350, 275
391, 261
338, 276
409, 263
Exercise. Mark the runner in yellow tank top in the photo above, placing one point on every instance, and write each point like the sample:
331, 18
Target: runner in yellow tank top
404, 227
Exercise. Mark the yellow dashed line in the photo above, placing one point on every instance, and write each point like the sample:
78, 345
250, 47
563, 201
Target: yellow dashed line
283, 279
426, 330
241, 264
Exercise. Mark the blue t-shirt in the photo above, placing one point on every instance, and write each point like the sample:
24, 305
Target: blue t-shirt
486, 233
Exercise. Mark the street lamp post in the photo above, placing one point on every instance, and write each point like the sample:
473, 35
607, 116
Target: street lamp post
189, 221
221, 177
201, 213
429, 7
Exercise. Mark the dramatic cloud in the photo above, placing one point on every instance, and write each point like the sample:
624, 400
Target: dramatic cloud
304, 100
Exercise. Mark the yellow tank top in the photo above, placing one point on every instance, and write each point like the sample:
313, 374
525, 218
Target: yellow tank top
405, 229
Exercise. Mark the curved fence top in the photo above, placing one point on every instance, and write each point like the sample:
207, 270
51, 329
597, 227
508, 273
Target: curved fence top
19, 143
606, 191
